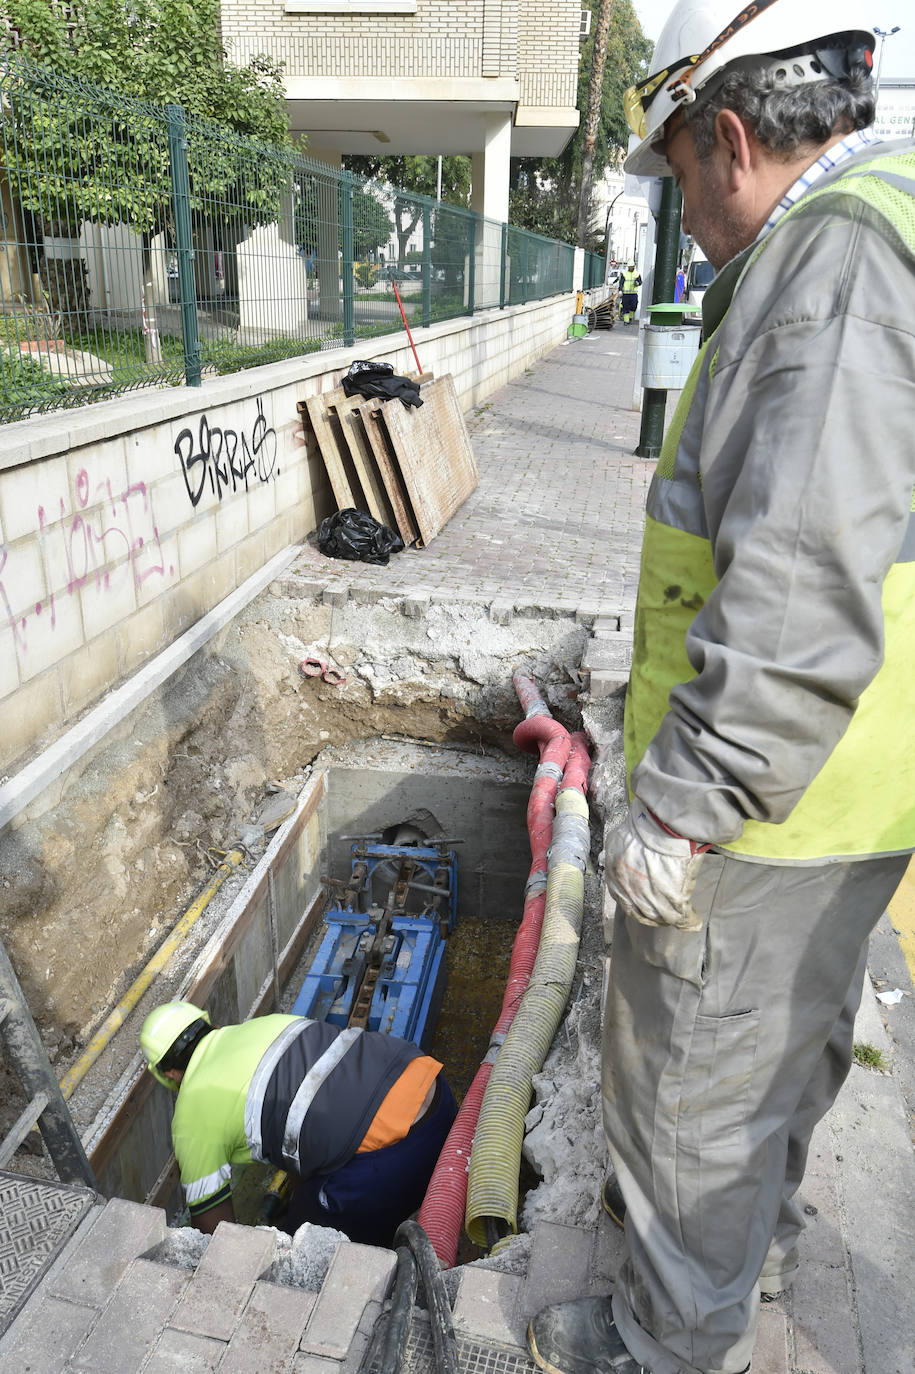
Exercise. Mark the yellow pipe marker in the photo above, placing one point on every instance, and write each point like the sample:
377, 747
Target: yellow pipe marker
119, 1015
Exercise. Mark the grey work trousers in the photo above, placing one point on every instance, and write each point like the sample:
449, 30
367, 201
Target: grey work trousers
722, 1050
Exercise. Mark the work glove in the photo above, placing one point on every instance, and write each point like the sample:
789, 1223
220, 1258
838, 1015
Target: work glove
650, 870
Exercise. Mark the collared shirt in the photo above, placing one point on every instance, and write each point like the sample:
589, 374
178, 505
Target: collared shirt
854, 143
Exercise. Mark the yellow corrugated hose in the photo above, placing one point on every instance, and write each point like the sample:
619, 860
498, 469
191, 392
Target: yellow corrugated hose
495, 1159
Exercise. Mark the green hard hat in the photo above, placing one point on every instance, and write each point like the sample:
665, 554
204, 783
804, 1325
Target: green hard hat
162, 1028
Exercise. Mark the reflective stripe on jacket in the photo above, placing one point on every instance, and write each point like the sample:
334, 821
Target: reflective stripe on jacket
283, 1089
771, 705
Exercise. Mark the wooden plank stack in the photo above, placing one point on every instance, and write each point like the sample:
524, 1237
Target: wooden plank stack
409, 467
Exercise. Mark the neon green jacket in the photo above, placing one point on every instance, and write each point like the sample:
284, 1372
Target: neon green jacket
771, 707
300, 1094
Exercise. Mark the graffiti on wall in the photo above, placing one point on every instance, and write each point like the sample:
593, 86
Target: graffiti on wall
90, 541
226, 459
110, 534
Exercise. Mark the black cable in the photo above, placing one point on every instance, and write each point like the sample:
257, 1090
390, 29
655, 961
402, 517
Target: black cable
401, 1316
410, 1233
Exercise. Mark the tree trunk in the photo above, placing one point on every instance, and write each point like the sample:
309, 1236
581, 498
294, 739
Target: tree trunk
592, 117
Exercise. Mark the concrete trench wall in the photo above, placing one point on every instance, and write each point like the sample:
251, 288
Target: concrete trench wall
480, 799
123, 523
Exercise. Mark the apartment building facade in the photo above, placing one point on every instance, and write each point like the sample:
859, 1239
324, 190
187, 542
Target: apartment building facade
492, 79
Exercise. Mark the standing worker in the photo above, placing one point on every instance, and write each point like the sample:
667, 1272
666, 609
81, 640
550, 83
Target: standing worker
773, 683
629, 286
361, 1117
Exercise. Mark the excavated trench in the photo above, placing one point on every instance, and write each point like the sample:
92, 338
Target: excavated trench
96, 874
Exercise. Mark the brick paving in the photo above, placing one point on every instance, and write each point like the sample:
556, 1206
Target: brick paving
558, 516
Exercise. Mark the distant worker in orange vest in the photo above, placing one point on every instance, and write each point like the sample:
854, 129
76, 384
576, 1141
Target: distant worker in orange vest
630, 288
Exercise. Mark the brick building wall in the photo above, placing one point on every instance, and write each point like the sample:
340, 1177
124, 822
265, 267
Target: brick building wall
535, 41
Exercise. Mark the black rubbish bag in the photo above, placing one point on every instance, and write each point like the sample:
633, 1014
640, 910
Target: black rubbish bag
377, 379
357, 536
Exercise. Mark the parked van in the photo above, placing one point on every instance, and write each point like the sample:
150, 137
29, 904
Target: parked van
699, 275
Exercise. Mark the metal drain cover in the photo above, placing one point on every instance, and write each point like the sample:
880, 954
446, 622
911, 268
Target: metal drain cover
36, 1220
474, 1356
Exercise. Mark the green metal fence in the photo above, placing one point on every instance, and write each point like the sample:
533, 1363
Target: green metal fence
595, 273
141, 246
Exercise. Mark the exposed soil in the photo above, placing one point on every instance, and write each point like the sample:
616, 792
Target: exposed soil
91, 887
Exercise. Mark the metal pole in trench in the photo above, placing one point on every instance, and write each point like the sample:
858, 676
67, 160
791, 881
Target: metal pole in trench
651, 435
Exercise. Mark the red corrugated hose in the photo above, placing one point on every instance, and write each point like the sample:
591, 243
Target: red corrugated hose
442, 1213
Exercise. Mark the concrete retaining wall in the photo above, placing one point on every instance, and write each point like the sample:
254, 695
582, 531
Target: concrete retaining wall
122, 523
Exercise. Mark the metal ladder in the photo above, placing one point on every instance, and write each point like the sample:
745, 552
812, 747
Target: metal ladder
22, 1043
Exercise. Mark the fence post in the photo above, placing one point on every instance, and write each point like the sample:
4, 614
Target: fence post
181, 196
427, 266
524, 249
502, 266
471, 263
349, 251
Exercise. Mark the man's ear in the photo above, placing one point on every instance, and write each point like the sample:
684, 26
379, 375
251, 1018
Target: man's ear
734, 143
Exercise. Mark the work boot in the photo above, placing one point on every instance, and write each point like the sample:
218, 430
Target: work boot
580, 1337
612, 1200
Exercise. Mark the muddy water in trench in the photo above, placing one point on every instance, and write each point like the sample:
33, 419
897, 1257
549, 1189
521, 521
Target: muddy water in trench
478, 956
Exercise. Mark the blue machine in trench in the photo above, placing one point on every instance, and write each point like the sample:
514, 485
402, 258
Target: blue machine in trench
381, 963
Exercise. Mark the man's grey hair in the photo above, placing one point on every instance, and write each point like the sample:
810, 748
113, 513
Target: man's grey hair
784, 119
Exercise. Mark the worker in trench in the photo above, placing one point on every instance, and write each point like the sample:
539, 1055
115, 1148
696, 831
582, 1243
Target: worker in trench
359, 1116
770, 712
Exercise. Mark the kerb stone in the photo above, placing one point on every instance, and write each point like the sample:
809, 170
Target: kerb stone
358, 1275
123, 1231
216, 1297
127, 1329
268, 1335
487, 1306
559, 1267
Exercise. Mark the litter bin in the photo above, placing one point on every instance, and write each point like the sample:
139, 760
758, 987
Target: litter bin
669, 348
668, 357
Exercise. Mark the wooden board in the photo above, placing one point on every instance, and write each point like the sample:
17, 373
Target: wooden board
434, 455
377, 436
334, 450
347, 453
352, 424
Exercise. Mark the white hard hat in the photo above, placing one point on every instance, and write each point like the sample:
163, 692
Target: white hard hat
702, 37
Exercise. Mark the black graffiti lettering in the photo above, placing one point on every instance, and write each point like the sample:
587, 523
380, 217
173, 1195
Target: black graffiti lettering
248, 464
238, 475
226, 457
218, 473
184, 447
264, 445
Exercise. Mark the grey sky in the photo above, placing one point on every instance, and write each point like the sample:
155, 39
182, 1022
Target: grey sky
899, 51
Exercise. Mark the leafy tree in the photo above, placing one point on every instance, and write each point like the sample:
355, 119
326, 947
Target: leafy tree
419, 175
162, 51
545, 194
371, 222
84, 153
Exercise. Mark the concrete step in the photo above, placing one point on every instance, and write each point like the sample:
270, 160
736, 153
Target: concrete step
112, 1303
234, 1260
350, 1302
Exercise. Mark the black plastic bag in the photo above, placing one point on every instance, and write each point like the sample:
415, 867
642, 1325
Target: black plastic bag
370, 380
357, 536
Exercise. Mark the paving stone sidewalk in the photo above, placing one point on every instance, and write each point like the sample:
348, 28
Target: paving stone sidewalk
558, 516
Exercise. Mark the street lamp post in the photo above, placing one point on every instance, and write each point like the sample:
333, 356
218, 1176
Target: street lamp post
883, 35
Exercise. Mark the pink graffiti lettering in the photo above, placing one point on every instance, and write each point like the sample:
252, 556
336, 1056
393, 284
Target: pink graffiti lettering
88, 542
